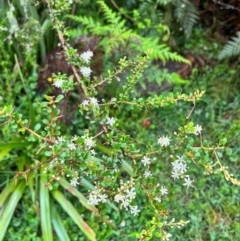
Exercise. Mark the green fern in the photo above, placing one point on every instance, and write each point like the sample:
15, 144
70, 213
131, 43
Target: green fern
115, 35
232, 48
186, 14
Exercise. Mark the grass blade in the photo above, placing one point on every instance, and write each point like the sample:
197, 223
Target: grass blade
58, 224
9, 208
6, 192
73, 213
45, 209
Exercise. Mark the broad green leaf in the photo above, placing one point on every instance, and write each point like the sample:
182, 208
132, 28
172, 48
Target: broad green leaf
9, 208
73, 213
45, 209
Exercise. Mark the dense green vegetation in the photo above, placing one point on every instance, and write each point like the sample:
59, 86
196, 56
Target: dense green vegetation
104, 99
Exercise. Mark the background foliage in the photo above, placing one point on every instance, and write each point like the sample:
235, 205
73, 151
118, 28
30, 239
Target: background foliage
113, 29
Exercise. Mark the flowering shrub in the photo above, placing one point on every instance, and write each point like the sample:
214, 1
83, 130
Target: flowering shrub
120, 167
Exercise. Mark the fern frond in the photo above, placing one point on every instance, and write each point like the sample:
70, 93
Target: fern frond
186, 14
232, 48
111, 17
160, 51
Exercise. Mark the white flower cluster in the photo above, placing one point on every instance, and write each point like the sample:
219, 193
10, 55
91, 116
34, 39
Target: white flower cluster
179, 170
86, 57
97, 196
92, 102
89, 142
164, 141
126, 193
179, 167
86, 71
58, 83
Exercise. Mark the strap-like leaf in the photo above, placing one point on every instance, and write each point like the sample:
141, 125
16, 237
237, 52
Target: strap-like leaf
73, 213
9, 208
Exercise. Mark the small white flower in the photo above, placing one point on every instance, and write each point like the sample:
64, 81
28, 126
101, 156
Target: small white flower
89, 142
74, 138
163, 191
103, 198
72, 146
131, 194
158, 199
86, 56
58, 83
147, 174
93, 153
85, 103
60, 139
164, 141
188, 182
125, 203
74, 182
198, 129
86, 71
168, 235
94, 101
175, 175
93, 200
145, 160
134, 210
118, 198
122, 224
110, 121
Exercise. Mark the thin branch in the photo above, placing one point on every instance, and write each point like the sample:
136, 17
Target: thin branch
191, 111
65, 48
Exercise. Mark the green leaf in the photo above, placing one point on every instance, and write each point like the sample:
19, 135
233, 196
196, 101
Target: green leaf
6, 148
58, 224
223, 141
6, 192
47, 97
47, 153
59, 98
45, 209
73, 213
37, 127
127, 167
10, 207
157, 234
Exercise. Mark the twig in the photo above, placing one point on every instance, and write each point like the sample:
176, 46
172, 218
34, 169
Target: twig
65, 48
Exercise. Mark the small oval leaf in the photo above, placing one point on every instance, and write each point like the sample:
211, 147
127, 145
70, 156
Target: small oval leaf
37, 127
